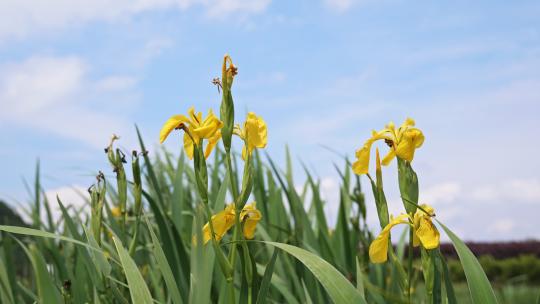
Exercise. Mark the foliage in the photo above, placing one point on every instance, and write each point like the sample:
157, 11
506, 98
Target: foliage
9, 217
144, 237
523, 268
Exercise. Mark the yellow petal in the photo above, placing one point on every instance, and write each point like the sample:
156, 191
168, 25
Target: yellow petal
416, 240
411, 139
427, 233
222, 222
171, 124
416, 136
212, 142
193, 117
188, 146
255, 131
430, 211
408, 139
238, 131
116, 212
244, 152
250, 216
409, 122
389, 157
378, 250
361, 165
209, 126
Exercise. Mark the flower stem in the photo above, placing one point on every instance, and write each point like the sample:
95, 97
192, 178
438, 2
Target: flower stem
410, 264
232, 176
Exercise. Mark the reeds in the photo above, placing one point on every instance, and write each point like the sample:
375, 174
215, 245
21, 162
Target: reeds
151, 249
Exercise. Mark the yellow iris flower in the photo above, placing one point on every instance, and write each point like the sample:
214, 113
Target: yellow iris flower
116, 212
224, 220
424, 233
403, 142
254, 134
196, 129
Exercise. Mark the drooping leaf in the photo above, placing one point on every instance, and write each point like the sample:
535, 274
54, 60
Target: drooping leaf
338, 287
479, 286
164, 267
137, 287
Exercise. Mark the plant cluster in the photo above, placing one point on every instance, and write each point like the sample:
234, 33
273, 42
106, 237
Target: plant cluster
196, 230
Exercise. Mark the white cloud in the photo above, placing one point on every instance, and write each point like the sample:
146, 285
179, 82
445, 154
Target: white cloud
514, 190
339, 5
19, 18
503, 225
440, 193
115, 83
224, 8
330, 193
73, 197
56, 95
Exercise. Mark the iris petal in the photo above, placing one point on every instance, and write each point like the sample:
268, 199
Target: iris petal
212, 142
188, 146
389, 157
222, 222
171, 124
378, 250
254, 134
250, 216
427, 233
361, 165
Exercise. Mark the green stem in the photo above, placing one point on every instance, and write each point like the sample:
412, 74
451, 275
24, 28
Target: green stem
135, 236
410, 262
232, 177
232, 298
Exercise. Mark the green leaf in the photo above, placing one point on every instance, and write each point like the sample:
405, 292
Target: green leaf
137, 287
47, 291
450, 293
40, 233
202, 264
338, 287
267, 277
479, 286
98, 257
6, 294
178, 195
359, 278
408, 185
163, 265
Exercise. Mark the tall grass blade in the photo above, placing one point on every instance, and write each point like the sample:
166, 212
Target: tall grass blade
164, 267
479, 286
137, 287
338, 287
47, 290
267, 278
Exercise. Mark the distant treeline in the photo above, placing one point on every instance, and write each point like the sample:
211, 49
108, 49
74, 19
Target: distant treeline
498, 250
9, 217
520, 269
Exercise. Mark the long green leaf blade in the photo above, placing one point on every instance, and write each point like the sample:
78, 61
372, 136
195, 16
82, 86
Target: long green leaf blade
163, 265
137, 287
338, 287
479, 286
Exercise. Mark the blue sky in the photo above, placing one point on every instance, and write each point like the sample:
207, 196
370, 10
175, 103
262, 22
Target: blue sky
319, 72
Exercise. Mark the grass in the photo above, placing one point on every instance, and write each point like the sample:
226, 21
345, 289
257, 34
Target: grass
506, 293
140, 237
